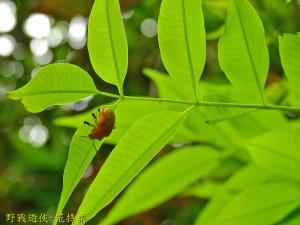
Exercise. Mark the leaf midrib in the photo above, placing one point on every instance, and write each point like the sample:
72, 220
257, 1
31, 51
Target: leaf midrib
55, 92
112, 45
249, 52
188, 51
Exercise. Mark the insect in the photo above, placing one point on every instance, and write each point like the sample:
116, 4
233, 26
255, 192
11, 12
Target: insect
103, 125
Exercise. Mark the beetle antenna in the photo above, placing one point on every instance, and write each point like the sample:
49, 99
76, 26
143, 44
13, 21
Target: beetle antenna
87, 123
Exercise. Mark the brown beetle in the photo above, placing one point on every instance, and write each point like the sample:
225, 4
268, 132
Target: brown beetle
103, 125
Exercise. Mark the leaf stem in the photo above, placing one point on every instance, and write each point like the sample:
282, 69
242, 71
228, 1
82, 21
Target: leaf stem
251, 106
160, 100
207, 104
108, 94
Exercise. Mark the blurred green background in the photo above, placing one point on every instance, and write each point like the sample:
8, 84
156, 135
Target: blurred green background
34, 33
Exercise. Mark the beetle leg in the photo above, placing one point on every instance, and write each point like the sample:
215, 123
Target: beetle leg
94, 146
95, 118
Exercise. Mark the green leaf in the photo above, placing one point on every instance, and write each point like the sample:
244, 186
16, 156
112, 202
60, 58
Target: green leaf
264, 204
181, 36
185, 166
289, 45
215, 114
126, 113
257, 123
129, 111
249, 176
133, 152
292, 219
73, 121
81, 153
107, 42
213, 208
168, 87
243, 52
245, 178
205, 190
55, 84
277, 151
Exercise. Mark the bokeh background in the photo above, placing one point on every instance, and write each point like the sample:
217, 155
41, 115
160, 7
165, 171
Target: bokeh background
34, 33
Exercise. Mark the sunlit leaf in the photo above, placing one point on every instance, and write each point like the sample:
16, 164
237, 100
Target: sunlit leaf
259, 122
55, 84
247, 177
210, 92
277, 151
107, 42
289, 45
81, 153
219, 113
133, 152
126, 113
181, 36
263, 204
213, 208
292, 219
72, 121
168, 87
184, 166
243, 52
194, 125
207, 189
